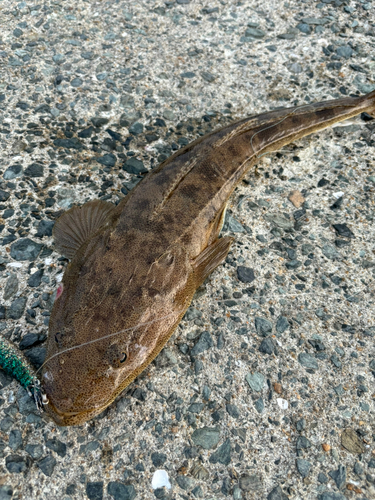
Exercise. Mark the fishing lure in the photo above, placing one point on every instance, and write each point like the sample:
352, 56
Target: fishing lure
13, 362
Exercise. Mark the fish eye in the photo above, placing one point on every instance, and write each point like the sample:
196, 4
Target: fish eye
123, 357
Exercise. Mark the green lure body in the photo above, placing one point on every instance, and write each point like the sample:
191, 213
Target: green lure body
13, 362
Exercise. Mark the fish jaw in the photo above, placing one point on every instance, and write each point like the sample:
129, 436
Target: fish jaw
64, 419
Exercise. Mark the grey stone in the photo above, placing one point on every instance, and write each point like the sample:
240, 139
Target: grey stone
209, 77
7, 423
166, 358
256, 381
25, 249
222, 454
121, 491
279, 221
308, 361
34, 450
358, 469
304, 28
315, 20
293, 264
158, 459
168, 114
295, 68
232, 410
197, 492
303, 443
205, 342
259, 405
36, 278
344, 51
26, 404
282, 324
108, 160
185, 482
254, 33
17, 464
136, 128
36, 355
206, 437
57, 446
45, 228
263, 326
12, 172
4, 195
11, 287
15, 439
73, 143
339, 476
6, 492
99, 121
76, 82
192, 313
330, 495
196, 407
250, 482
16, 308
343, 230
322, 478
188, 74
330, 252
237, 493
232, 225
303, 467
94, 490
277, 494
267, 346
301, 424
34, 170
134, 166
245, 274
307, 248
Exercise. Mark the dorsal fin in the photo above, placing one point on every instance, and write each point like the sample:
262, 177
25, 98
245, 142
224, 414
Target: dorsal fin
78, 224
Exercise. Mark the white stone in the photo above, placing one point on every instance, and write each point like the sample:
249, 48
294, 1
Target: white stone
338, 194
283, 403
160, 479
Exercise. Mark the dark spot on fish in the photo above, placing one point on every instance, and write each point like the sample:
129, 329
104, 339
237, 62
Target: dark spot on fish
161, 178
114, 289
189, 191
58, 338
152, 292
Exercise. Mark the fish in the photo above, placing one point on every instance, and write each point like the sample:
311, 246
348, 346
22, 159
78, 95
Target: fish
134, 268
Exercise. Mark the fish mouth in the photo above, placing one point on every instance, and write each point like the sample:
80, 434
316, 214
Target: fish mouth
65, 418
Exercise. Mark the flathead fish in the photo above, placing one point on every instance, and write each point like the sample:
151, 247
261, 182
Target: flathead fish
134, 267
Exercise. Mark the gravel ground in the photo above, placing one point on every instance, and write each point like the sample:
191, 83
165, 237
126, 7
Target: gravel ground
266, 390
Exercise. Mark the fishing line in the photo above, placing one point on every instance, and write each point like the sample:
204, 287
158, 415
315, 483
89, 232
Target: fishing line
274, 125
104, 337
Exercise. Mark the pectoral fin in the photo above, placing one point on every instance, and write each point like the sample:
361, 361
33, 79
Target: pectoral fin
218, 225
78, 224
211, 257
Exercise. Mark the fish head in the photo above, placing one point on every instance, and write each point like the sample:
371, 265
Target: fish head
103, 333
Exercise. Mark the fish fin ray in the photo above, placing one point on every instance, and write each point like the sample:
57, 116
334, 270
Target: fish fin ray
211, 257
218, 225
78, 224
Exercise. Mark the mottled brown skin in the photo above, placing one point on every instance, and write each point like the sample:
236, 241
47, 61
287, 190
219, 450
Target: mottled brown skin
156, 248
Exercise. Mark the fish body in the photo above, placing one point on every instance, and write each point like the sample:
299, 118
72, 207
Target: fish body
135, 267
